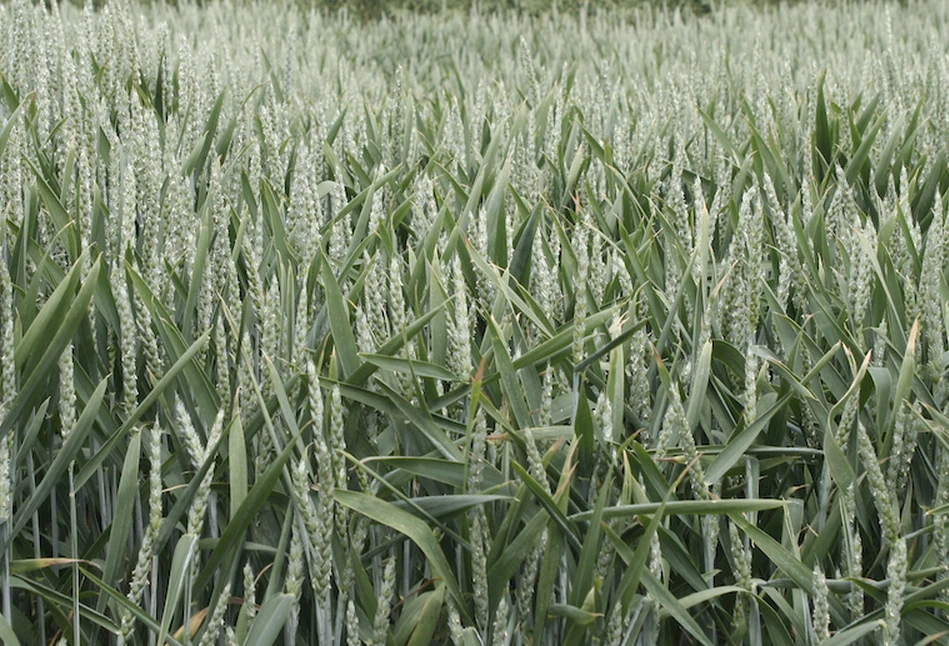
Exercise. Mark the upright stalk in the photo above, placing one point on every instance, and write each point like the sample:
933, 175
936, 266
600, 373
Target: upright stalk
74, 554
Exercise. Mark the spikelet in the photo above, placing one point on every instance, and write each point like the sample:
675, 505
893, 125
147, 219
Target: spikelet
149, 340
455, 628
425, 209
271, 324
477, 522
935, 258
216, 621
250, 592
821, 614
485, 288
603, 419
545, 411
352, 625
860, 281
526, 586
640, 392
374, 300
852, 548
308, 514
883, 496
341, 231
783, 234
198, 509
146, 552
544, 285
711, 530
128, 339
941, 521
752, 365
222, 369
337, 440
67, 393
147, 163
902, 448
459, 327
616, 625
580, 307
293, 584
380, 626
896, 573
499, 632
741, 558
847, 418
301, 326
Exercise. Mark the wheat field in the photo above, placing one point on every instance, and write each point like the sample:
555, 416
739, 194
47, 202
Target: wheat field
474, 329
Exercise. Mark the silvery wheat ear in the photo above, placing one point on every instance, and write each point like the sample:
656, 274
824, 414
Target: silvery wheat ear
259, 210
896, 573
821, 612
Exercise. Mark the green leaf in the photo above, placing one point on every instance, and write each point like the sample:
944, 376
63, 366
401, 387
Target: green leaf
855, 633
270, 620
123, 513
780, 556
424, 423
823, 143
64, 457
177, 575
903, 385
556, 515
338, 313
445, 505
393, 345
428, 617
175, 346
44, 326
410, 367
22, 566
740, 442
522, 252
197, 161
702, 596
513, 390
720, 135
415, 529
237, 465
583, 427
7, 635
700, 379
198, 271
58, 600
66, 330
57, 212
12, 121
616, 392
122, 601
586, 563
438, 469
860, 156
686, 508
227, 550
574, 614
505, 566
671, 606
546, 580
92, 465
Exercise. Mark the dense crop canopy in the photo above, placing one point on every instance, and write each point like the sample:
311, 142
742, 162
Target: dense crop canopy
473, 329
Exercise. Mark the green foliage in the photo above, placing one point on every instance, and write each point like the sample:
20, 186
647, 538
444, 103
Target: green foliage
472, 329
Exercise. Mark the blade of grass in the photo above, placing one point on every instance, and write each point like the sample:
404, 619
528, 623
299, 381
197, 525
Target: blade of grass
405, 523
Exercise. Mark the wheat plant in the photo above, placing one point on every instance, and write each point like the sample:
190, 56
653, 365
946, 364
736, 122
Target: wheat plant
473, 328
